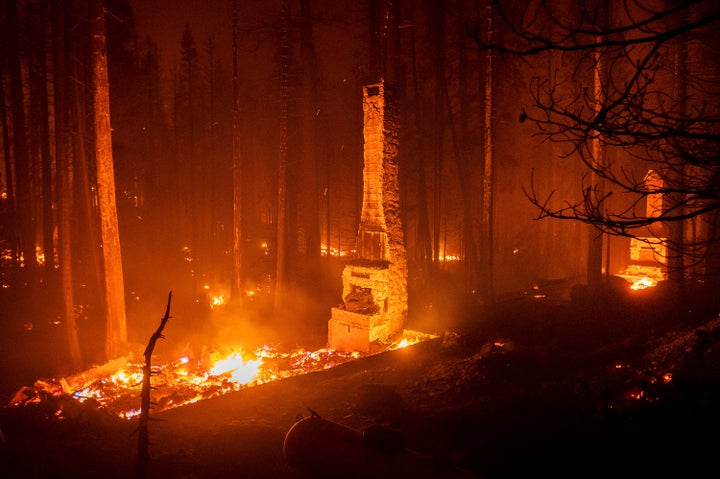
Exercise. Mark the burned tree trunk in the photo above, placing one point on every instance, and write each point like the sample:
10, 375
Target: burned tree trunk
281, 242
143, 434
237, 271
678, 170
310, 222
42, 118
25, 221
63, 149
423, 240
599, 151
8, 221
437, 135
486, 222
116, 329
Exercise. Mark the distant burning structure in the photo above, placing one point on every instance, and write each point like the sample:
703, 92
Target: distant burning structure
375, 282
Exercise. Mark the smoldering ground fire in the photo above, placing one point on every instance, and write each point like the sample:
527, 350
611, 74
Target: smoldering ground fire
114, 386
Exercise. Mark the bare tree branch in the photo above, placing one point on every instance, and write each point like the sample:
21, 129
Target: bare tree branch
659, 111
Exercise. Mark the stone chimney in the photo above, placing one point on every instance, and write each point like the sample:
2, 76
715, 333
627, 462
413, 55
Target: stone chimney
375, 282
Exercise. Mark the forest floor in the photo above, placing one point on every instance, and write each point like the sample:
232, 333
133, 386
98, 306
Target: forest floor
596, 387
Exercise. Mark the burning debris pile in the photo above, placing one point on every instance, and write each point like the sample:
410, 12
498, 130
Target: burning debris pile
114, 387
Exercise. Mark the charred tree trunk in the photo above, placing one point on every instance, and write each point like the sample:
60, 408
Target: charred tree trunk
143, 433
25, 218
423, 240
190, 174
595, 240
116, 329
310, 223
46, 156
461, 141
9, 220
281, 235
85, 234
676, 229
237, 286
486, 220
210, 175
437, 14
63, 151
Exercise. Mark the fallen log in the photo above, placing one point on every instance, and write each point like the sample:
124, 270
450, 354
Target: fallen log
83, 379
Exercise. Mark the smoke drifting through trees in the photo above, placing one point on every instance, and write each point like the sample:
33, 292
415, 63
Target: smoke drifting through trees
464, 156
649, 115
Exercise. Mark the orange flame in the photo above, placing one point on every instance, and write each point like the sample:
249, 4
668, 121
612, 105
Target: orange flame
185, 381
241, 371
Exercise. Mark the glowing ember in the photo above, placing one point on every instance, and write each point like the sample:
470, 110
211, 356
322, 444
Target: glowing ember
115, 386
636, 395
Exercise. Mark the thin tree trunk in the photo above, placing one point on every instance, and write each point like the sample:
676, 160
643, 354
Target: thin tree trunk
237, 286
144, 419
8, 180
487, 189
464, 177
86, 267
47, 160
195, 175
438, 27
25, 219
423, 239
469, 246
116, 329
281, 242
675, 259
64, 189
210, 177
310, 219
595, 240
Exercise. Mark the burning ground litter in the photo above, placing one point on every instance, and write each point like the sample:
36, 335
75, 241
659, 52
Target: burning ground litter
115, 386
539, 390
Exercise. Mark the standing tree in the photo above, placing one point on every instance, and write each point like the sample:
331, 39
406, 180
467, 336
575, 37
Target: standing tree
281, 220
437, 135
116, 328
237, 170
423, 239
24, 219
485, 33
654, 107
63, 152
187, 103
309, 244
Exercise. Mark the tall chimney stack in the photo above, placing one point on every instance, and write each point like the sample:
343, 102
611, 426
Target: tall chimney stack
375, 282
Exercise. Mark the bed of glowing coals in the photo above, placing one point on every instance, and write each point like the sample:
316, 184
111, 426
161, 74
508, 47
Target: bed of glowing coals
115, 386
